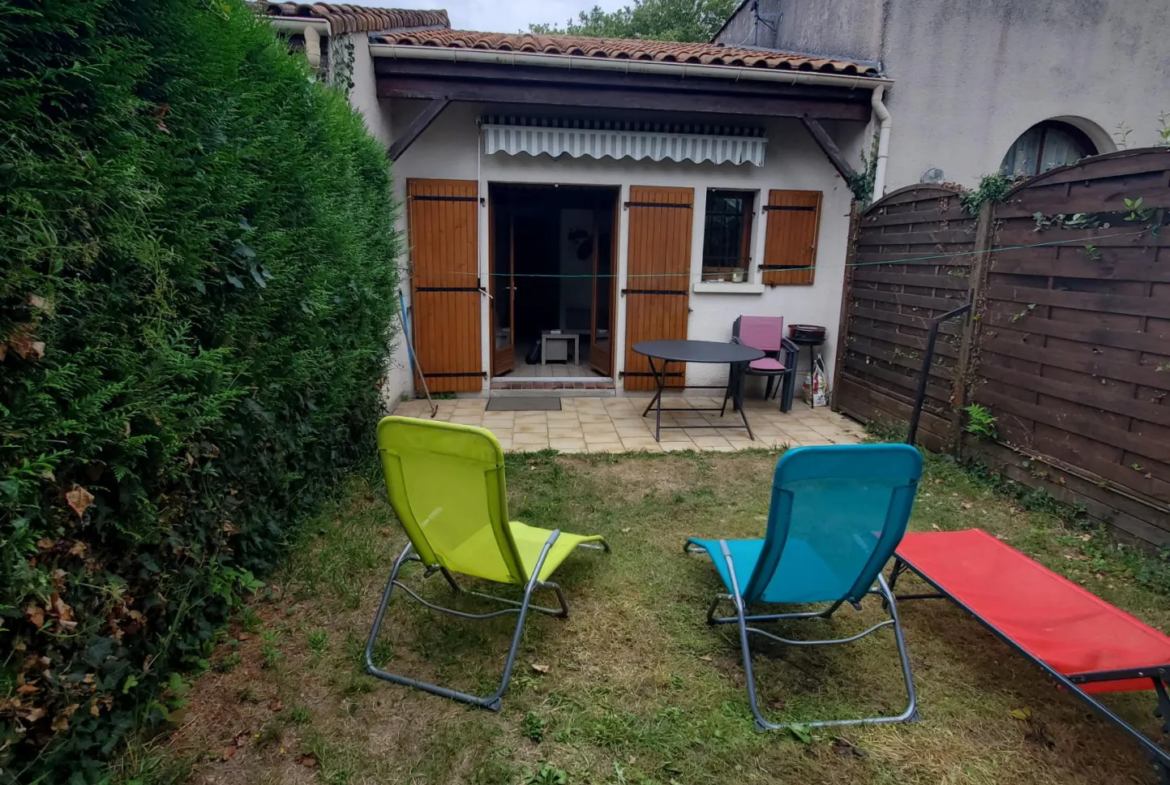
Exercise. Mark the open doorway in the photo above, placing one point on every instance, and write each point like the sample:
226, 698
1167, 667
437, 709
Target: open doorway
553, 280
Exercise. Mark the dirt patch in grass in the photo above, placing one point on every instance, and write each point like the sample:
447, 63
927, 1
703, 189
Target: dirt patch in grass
633, 687
631, 479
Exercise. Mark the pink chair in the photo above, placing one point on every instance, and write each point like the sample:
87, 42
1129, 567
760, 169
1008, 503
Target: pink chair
766, 333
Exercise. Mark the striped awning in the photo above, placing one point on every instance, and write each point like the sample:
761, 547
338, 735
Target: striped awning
640, 141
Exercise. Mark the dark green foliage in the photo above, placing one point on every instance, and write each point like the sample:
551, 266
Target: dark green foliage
196, 285
661, 20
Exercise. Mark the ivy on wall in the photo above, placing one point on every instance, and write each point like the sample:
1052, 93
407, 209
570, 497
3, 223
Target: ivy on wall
337, 71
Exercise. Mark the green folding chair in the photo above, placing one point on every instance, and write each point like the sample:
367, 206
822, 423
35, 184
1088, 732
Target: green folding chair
446, 484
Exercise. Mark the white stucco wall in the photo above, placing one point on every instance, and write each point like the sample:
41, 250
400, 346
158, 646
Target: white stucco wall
363, 96
450, 149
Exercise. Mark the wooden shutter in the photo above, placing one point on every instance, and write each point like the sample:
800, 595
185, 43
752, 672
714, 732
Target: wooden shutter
442, 217
658, 272
794, 220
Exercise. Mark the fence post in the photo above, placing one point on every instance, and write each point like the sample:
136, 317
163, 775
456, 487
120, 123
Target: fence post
984, 235
846, 286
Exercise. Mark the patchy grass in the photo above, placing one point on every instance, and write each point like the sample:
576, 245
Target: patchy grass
638, 689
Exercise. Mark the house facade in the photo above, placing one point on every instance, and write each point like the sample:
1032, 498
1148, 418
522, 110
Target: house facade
1018, 86
613, 191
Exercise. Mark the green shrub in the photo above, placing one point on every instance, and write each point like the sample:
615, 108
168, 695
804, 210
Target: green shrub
196, 285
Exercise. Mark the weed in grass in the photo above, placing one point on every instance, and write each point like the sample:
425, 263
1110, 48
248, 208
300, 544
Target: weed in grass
300, 715
533, 726
249, 620
247, 694
144, 763
272, 654
887, 432
229, 662
495, 770
383, 652
271, 734
358, 685
545, 775
318, 641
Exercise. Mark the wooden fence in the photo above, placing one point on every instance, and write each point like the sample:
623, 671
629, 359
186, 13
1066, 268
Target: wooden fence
1069, 348
911, 261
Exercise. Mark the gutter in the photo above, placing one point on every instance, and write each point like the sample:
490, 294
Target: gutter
311, 28
577, 62
883, 115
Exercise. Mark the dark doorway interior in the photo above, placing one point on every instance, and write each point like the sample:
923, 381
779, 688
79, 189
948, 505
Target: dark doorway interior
553, 264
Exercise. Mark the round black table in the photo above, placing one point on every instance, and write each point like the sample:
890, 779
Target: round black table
736, 355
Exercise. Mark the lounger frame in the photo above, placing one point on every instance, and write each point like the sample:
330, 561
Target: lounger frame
1158, 675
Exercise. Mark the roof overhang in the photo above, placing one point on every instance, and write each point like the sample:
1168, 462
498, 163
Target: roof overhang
428, 72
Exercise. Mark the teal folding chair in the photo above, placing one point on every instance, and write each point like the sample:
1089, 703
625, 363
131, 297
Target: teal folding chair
836, 516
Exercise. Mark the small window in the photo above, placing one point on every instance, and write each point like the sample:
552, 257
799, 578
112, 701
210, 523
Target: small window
727, 236
1046, 146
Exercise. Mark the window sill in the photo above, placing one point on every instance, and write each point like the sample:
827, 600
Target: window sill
728, 288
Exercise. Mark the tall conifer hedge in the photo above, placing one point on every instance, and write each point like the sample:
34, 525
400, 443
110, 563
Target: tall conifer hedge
196, 286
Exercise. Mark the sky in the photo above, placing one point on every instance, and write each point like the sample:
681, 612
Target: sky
501, 16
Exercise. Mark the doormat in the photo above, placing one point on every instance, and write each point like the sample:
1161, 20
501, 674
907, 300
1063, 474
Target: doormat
519, 404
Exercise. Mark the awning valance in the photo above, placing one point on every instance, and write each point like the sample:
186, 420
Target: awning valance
640, 141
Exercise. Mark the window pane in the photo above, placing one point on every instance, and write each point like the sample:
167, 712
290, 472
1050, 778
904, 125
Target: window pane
725, 232
1060, 148
1046, 146
1022, 157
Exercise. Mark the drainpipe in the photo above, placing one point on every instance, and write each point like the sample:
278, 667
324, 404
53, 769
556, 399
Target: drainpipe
883, 154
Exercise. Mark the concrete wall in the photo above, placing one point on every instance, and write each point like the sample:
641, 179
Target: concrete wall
970, 77
450, 149
844, 28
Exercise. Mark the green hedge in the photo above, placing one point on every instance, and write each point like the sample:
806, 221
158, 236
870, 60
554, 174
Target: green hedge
197, 284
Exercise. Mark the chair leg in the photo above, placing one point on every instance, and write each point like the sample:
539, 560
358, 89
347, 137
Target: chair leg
491, 702
741, 619
1163, 695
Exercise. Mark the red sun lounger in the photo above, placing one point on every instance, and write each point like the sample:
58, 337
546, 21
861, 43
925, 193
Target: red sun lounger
1086, 645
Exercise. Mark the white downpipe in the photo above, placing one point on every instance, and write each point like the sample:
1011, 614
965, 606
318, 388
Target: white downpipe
883, 154
577, 62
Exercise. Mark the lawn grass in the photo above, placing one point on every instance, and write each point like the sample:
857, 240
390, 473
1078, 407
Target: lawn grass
638, 689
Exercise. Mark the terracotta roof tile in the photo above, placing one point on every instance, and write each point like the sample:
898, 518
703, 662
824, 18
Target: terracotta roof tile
346, 18
632, 49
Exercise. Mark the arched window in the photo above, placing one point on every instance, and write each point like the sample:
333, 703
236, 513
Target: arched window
1046, 146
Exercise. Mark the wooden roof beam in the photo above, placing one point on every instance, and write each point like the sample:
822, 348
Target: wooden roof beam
829, 147
425, 118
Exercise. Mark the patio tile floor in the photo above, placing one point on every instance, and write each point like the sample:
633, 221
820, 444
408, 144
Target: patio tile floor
615, 425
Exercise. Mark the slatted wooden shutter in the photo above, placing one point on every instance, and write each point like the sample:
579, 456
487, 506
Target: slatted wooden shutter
443, 232
794, 220
658, 277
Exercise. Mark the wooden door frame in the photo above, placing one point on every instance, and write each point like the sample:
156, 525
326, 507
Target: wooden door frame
615, 230
493, 289
613, 246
